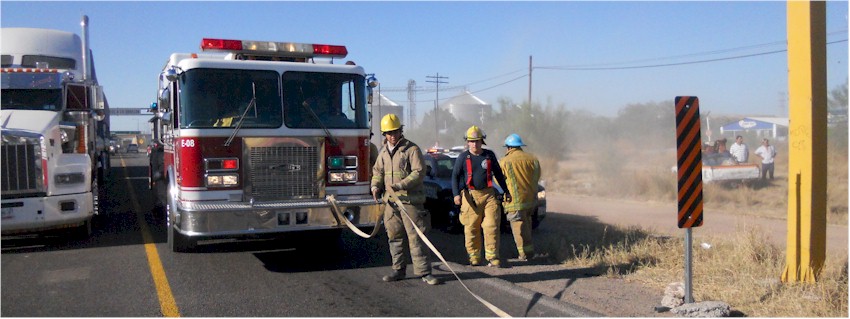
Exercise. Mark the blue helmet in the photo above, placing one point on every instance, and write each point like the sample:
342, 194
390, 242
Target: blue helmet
513, 140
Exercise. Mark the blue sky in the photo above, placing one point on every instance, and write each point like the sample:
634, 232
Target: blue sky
482, 46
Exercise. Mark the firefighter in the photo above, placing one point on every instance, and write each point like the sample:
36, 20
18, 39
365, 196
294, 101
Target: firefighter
400, 166
522, 173
472, 187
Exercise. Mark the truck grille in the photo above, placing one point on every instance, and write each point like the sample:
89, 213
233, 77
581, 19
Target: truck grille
283, 172
21, 169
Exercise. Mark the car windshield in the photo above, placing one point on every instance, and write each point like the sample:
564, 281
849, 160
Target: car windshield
444, 168
212, 98
718, 159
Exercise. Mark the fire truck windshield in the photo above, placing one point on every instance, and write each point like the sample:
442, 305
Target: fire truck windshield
31, 99
324, 100
216, 98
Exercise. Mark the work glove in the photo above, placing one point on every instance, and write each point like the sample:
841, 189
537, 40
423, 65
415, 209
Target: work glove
508, 197
376, 193
396, 187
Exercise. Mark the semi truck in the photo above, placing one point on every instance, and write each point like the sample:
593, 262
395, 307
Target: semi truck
54, 124
261, 138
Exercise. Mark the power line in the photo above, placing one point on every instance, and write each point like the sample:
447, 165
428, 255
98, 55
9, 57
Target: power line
602, 67
591, 68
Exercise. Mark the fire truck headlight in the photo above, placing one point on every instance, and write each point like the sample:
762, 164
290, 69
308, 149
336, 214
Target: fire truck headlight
342, 177
351, 176
336, 177
230, 180
69, 178
226, 180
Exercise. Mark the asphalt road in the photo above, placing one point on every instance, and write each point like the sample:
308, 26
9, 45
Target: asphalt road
125, 269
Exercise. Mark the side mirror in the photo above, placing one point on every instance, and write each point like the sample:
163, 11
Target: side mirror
171, 74
98, 115
164, 117
428, 171
164, 94
371, 83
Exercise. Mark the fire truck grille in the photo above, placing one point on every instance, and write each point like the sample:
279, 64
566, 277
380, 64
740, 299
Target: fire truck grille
20, 169
280, 173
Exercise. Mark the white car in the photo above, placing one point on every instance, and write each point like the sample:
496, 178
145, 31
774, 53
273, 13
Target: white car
722, 167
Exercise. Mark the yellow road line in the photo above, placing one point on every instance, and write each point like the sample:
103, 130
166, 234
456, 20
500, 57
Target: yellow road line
166, 300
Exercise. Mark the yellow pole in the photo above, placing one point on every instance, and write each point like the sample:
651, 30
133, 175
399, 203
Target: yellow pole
806, 242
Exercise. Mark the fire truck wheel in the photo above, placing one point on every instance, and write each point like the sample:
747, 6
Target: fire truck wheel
178, 242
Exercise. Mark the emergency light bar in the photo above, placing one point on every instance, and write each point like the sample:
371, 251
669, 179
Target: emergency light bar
283, 49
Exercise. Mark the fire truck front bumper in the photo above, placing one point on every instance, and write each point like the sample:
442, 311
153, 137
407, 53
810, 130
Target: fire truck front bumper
231, 219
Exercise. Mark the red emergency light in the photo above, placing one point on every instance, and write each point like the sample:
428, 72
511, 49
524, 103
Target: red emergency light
219, 44
229, 164
335, 50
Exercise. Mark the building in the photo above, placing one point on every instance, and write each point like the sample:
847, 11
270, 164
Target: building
468, 108
772, 127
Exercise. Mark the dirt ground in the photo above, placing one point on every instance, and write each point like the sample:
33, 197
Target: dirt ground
611, 295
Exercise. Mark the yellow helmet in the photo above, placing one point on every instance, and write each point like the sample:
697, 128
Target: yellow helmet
390, 122
474, 133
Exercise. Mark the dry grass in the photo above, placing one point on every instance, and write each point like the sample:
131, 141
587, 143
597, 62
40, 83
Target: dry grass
742, 270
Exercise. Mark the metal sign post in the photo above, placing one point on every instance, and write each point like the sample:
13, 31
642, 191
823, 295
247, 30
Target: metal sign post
688, 275
689, 153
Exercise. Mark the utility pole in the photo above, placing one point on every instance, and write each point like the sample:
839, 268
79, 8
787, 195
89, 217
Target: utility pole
807, 177
411, 99
529, 81
437, 79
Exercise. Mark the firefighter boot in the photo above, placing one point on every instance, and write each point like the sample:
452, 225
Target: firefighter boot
395, 275
431, 280
495, 263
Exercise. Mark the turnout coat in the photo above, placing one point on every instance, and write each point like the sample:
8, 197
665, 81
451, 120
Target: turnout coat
404, 166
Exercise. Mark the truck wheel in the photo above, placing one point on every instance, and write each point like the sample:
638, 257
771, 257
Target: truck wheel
84, 231
179, 243
176, 241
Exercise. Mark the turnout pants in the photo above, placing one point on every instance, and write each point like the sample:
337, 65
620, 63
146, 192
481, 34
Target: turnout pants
400, 233
521, 229
482, 215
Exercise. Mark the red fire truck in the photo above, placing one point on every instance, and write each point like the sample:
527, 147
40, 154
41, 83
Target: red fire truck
261, 138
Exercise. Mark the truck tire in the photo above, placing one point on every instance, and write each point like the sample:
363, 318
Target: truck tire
176, 241
84, 231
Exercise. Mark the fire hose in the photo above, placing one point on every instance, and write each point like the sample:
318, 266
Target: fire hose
404, 213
